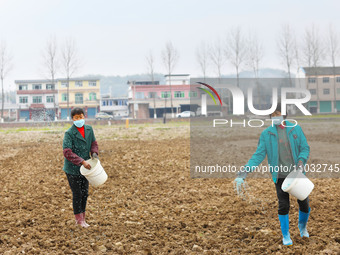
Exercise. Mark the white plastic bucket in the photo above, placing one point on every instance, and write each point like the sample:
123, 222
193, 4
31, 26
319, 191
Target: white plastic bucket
96, 175
298, 185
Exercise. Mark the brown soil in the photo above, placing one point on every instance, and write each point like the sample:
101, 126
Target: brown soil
149, 205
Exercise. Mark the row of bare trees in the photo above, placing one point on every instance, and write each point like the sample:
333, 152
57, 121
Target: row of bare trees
243, 51
63, 59
240, 51
55, 60
246, 52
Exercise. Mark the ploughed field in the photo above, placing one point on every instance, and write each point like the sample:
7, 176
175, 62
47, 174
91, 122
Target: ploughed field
150, 205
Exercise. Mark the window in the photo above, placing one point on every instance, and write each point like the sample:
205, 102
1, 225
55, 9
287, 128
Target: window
192, 93
93, 96
37, 99
311, 80
152, 94
178, 94
338, 90
140, 95
165, 94
49, 99
326, 91
23, 100
325, 79
79, 98
92, 83
23, 87
79, 83
312, 91
104, 103
338, 79
64, 84
64, 97
36, 86
50, 86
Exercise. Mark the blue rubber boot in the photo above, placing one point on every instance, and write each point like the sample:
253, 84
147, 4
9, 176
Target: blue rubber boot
284, 221
303, 218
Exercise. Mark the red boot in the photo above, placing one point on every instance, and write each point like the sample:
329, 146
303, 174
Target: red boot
80, 220
83, 215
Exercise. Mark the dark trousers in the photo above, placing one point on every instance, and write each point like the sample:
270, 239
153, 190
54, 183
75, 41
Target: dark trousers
80, 191
284, 200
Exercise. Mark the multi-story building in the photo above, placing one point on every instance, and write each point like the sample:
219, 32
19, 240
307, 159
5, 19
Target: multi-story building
36, 99
83, 93
147, 98
117, 106
324, 86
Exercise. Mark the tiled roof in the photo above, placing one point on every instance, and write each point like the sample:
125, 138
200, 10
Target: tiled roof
177, 75
325, 70
33, 81
56, 80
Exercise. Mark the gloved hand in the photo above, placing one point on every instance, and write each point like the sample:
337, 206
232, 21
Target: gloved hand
238, 183
95, 155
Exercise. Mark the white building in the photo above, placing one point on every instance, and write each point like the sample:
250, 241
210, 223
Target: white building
10, 111
117, 106
36, 99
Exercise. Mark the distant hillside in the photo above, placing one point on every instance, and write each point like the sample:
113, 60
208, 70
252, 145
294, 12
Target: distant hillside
117, 86
263, 73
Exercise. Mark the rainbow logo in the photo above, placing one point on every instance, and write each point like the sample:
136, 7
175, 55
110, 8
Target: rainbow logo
209, 93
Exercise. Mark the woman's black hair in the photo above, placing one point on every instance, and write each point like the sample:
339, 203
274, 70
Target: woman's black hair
77, 111
278, 108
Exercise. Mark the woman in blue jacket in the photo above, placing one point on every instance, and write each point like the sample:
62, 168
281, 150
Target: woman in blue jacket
286, 148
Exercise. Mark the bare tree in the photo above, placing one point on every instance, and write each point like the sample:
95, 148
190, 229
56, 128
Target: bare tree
236, 50
151, 70
5, 66
218, 57
285, 45
70, 64
50, 62
333, 51
313, 52
255, 54
170, 58
307, 48
297, 56
313, 47
202, 55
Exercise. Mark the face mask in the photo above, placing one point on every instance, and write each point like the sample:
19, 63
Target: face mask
79, 123
277, 120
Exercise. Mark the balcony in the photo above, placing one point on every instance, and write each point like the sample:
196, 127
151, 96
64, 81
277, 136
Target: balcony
85, 103
91, 101
36, 91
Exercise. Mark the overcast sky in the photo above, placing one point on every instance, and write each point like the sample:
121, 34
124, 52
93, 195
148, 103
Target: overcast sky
113, 36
